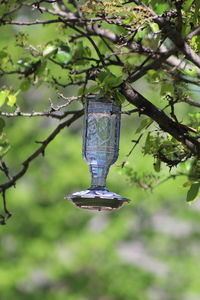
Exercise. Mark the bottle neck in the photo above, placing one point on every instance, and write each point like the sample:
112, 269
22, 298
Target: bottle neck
99, 175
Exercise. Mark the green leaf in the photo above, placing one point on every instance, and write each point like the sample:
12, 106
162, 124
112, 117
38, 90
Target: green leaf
166, 89
191, 71
161, 8
3, 95
157, 165
144, 123
187, 4
102, 75
187, 183
154, 27
119, 97
139, 35
147, 143
63, 55
41, 67
80, 91
186, 29
115, 81
93, 89
108, 80
81, 51
153, 75
12, 99
128, 20
49, 50
193, 192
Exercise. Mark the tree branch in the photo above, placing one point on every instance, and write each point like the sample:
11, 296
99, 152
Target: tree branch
39, 151
196, 31
37, 114
37, 22
164, 55
190, 101
176, 38
155, 64
177, 130
50, 113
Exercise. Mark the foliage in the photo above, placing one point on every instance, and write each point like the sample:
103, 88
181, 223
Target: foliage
110, 44
52, 55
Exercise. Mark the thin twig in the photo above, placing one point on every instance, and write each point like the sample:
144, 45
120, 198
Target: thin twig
190, 101
136, 142
40, 151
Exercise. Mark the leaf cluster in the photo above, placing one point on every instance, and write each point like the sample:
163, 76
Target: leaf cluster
131, 15
107, 85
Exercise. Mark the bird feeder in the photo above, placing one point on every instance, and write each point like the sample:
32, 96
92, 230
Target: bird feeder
101, 135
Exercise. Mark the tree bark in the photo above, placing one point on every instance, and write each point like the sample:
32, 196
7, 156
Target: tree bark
177, 130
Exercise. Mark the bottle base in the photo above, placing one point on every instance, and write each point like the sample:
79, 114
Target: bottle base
97, 200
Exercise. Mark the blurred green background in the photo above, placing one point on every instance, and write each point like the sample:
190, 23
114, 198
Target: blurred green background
49, 249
